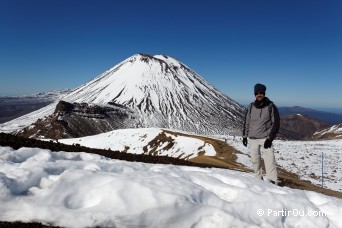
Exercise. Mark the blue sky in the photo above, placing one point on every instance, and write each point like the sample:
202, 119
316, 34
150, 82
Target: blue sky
294, 47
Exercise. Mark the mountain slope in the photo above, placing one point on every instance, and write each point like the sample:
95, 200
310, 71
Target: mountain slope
299, 127
333, 132
165, 93
155, 91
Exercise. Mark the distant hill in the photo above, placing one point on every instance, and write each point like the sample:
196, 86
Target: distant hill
300, 127
14, 107
330, 118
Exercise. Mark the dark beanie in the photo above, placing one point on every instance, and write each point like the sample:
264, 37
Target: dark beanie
259, 88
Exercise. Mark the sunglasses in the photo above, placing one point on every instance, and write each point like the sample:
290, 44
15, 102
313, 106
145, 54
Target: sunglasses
259, 93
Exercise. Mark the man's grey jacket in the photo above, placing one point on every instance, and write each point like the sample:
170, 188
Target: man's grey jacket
261, 120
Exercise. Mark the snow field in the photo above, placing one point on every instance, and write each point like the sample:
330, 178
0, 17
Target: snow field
87, 190
303, 158
134, 140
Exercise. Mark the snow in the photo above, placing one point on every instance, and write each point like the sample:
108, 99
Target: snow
303, 158
23, 121
118, 140
134, 141
137, 77
337, 129
190, 145
87, 190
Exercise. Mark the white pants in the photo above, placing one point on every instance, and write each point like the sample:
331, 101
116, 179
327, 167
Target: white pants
255, 146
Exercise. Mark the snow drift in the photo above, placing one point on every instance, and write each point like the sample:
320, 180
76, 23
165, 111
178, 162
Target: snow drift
85, 190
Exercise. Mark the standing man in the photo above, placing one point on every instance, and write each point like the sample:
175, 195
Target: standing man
261, 126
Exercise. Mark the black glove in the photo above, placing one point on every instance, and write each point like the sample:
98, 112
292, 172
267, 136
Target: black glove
244, 141
268, 143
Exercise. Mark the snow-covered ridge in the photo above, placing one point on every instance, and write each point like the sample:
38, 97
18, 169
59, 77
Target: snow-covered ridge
138, 141
334, 132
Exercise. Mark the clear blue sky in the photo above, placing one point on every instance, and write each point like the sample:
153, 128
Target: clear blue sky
292, 46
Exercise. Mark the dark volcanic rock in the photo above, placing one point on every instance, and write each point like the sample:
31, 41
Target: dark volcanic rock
76, 120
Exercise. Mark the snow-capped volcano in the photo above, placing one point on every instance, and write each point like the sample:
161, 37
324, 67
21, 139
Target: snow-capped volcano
153, 91
165, 93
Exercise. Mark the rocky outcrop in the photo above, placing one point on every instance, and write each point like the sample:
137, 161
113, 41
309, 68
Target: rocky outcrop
71, 120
